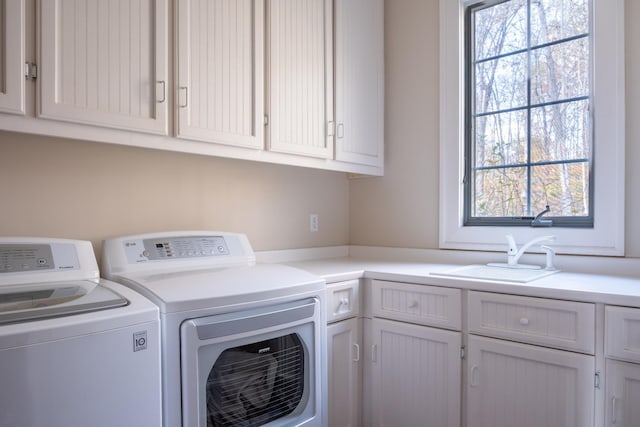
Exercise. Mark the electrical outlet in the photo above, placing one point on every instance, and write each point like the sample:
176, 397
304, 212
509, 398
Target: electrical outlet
313, 223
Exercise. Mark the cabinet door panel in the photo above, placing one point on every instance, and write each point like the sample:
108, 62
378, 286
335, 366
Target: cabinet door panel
534, 385
623, 394
300, 40
12, 39
104, 63
360, 81
622, 335
220, 71
344, 362
415, 375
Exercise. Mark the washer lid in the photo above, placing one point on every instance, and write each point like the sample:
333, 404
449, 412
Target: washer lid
35, 301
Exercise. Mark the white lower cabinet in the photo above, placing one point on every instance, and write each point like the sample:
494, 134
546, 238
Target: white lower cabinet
415, 375
622, 342
515, 361
344, 344
344, 361
512, 384
514, 377
413, 356
623, 394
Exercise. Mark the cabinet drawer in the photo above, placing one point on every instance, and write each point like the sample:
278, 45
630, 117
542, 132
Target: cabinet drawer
343, 300
554, 323
425, 305
622, 333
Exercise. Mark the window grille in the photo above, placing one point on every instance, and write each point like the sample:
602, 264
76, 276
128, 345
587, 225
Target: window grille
528, 112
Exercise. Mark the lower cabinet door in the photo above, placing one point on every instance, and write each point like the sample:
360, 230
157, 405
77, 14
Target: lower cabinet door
623, 394
344, 362
512, 384
415, 375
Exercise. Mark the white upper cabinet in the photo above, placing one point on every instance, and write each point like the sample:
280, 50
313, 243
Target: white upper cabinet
359, 57
104, 62
220, 71
246, 79
300, 77
12, 39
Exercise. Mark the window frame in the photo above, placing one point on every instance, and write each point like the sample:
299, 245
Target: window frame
606, 237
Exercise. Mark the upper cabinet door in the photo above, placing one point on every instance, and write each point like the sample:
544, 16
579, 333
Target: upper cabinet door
12, 56
104, 62
360, 81
300, 77
220, 94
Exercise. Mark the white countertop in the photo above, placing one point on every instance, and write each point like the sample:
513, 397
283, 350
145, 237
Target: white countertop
595, 288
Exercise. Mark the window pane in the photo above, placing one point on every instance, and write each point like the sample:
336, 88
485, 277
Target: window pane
560, 71
560, 132
500, 192
558, 19
563, 187
500, 29
529, 135
501, 83
501, 139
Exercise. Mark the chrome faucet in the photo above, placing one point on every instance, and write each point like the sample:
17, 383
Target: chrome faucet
514, 254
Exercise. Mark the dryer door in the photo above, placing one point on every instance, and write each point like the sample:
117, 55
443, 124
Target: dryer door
254, 367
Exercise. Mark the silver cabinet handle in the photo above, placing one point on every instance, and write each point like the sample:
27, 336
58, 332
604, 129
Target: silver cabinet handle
374, 353
186, 97
164, 91
613, 410
356, 347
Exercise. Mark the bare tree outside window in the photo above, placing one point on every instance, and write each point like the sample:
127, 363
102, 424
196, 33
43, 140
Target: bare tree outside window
529, 141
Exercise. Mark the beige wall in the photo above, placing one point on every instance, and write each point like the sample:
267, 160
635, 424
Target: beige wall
401, 209
81, 190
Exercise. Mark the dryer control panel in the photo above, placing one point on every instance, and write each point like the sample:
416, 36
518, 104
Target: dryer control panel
154, 249
175, 250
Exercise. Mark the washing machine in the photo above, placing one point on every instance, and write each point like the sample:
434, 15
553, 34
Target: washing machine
75, 350
243, 344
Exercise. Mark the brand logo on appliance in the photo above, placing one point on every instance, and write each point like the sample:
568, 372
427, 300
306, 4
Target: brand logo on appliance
139, 341
264, 350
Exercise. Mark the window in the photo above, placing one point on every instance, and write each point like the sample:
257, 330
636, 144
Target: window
528, 133
534, 118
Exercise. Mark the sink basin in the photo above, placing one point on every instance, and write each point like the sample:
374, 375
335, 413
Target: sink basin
496, 273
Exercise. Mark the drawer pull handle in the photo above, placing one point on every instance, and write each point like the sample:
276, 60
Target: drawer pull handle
524, 321
413, 304
356, 347
613, 410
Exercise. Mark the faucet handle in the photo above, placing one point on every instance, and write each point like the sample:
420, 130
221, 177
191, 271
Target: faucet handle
539, 222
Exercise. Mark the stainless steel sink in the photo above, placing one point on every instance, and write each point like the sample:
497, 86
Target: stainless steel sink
503, 274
